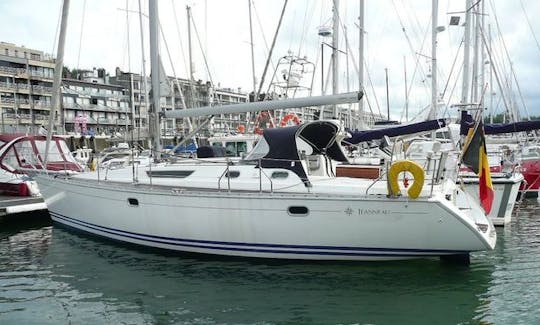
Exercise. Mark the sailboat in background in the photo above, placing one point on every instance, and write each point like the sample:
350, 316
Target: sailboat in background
282, 201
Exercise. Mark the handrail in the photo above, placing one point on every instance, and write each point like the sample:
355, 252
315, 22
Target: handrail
261, 172
225, 172
383, 173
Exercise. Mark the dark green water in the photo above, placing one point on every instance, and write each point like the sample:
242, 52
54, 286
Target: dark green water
49, 275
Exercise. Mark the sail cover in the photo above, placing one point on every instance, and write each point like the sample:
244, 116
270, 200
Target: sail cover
368, 135
467, 121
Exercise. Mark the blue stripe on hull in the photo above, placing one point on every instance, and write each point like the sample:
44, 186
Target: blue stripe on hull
152, 240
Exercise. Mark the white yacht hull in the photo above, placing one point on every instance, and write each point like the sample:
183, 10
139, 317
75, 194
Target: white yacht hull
505, 190
253, 224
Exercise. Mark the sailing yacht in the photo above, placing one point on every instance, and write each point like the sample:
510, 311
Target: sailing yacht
282, 201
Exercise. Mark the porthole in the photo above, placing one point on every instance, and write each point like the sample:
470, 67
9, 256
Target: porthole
133, 202
232, 174
280, 175
170, 173
298, 211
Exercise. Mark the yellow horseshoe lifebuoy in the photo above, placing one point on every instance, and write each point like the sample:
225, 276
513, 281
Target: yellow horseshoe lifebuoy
406, 166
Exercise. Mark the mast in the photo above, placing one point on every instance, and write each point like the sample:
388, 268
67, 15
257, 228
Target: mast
252, 52
155, 78
335, 59
144, 79
406, 89
466, 55
482, 51
361, 61
474, 87
387, 96
434, 14
58, 69
190, 54
131, 94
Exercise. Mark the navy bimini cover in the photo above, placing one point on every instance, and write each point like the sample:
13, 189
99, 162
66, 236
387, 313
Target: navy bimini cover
283, 152
368, 135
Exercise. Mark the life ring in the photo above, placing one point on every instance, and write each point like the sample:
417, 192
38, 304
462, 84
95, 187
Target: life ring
406, 166
288, 117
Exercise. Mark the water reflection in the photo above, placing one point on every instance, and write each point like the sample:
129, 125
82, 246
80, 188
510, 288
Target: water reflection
512, 296
51, 275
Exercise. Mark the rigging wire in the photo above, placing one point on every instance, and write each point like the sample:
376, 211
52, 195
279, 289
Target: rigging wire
507, 56
267, 47
202, 50
57, 29
417, 67
179, 35
529, 23
445, 88
308, 16
81, 34
269, 58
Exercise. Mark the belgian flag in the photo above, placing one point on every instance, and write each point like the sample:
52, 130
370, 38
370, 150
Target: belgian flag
475, 157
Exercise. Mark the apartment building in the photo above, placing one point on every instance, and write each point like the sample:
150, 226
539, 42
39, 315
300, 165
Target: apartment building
26, 78
179, 93
91, 105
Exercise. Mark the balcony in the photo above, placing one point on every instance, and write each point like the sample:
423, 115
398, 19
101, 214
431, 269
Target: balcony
39, 75
41, 89
10, 71
7, 86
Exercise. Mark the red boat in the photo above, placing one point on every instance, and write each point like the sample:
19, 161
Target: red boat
530, 168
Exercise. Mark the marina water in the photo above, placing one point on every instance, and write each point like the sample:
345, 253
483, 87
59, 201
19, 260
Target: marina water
50, 275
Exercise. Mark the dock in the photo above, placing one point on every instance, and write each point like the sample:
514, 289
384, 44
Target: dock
10, 206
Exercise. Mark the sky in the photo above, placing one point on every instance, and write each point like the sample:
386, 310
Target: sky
397, 44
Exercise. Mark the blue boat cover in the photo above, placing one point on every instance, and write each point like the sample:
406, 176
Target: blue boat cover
368, 135
467, 122
283, 152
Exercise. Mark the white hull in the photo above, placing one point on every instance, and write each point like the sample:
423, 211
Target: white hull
253, 224
505, 190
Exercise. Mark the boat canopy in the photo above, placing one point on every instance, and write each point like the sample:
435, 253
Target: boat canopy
21, 152
283, 147
368, 135
467, 122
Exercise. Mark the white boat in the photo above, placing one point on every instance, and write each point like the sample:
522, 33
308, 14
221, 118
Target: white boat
505, 188
271, 207
25, 153
506, 183
20, 153
282, 201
